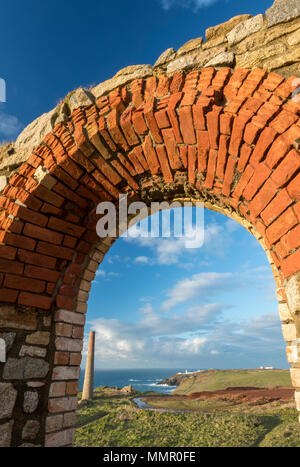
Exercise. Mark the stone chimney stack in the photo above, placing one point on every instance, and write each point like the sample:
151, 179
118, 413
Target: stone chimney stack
88, 387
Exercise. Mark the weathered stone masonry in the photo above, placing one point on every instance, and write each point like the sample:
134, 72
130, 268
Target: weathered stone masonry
190, 128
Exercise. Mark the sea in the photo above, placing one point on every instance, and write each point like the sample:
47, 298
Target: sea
141, 379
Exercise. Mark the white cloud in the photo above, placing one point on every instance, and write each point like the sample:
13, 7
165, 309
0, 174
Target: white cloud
142, 260
194, 4
9, 125
197, 286
147, 308
199, 340
168, 251
100, 273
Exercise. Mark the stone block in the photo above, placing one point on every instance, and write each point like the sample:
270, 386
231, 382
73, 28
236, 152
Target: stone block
62, 373
31, 401
54, 423
6, 434
38, 338
63, 438
245, 29
8, 397
282, 11
25, 368
166, 56
11, 318
28, 351
31, 430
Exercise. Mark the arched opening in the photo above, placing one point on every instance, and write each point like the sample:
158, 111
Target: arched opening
180, 314
207, 136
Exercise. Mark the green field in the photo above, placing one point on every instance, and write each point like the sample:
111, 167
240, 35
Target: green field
113, 420
221, 379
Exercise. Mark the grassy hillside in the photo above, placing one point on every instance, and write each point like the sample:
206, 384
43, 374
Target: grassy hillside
114, 421
213, 380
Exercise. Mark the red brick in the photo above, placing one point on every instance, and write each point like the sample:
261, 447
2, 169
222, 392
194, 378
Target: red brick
137, 92
192, 160
114, 130
237, 134
199, 117
279, 204
75, 359
277, 152
41, 273
64, 303
296, 208
150, 87
177, 83
150, 119
29, 215
291, 265
72, 387
222, 156
69, 242
173, 103
293, 187
109, 187
48, 196
228, 179
36, 259
264, 142
263, 197
139, 123
260, 175
162, 119
61, 358
70, 195
134, 159
187, 125
138, 152
283, 121
184, 155
172, 150
56, 251
226, 123
7, 252
164, 163
286, 169
17, 240
50, 288
203, 146
213, 125
211, 168
42, 234
38, 301
8, 295
22, 283
244, 157
127, 127
151, 156
123, 172
291, 240
251, 133
281, 226
67, 291
65, 227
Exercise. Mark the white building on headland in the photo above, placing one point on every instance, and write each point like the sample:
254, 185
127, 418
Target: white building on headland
266, 368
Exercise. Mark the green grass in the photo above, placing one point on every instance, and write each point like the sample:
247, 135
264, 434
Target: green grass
113, 420
213, 380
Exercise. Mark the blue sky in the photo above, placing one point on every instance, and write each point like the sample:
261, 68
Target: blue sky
154, 303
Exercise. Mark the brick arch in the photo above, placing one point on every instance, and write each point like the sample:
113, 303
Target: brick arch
229, 139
